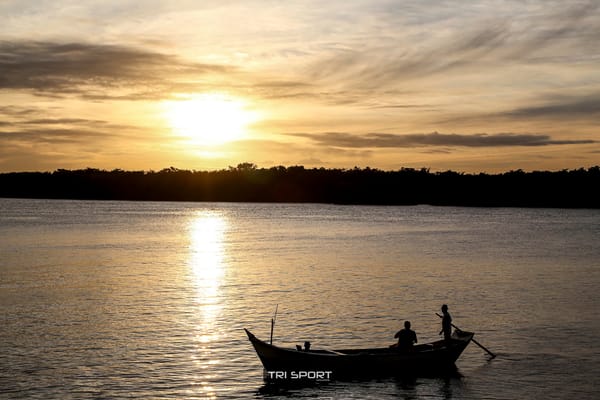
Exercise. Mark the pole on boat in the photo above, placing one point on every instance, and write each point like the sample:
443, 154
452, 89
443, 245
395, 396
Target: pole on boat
273, 323
474, 341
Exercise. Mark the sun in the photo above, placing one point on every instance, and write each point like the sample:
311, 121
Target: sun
209, 119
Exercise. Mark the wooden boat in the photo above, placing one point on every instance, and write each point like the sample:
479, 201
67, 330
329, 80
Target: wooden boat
424, 359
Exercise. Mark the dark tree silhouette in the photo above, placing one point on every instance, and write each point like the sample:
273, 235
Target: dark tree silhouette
248, 183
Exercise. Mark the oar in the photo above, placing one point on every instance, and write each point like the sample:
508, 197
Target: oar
474, 341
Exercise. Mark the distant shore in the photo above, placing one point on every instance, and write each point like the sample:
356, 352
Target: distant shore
296, 184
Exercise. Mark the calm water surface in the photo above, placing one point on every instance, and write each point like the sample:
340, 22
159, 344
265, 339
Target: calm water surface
148, 300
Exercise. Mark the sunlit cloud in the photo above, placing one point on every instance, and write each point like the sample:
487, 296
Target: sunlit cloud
486, 45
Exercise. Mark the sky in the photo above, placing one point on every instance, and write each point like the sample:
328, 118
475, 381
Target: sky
469, 86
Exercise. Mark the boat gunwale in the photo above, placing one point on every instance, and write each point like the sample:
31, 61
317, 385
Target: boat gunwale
462, 336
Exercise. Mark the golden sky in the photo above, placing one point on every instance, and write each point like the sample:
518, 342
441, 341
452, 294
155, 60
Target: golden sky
471, 86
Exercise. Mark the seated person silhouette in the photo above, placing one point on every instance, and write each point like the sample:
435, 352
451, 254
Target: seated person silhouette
406, 337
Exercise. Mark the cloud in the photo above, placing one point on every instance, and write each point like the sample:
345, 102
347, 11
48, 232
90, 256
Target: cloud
17, 111
96, 70
466, 44
284, 89
54, 136
63, 121
389, 140
560, 107
27, 126
552, 107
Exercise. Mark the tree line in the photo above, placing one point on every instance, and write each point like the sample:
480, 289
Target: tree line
247, 183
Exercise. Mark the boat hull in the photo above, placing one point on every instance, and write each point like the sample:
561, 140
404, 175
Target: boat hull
432, 358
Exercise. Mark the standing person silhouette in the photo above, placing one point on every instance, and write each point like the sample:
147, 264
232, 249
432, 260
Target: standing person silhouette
446, 324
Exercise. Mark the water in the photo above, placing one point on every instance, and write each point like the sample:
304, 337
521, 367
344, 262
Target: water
148, 300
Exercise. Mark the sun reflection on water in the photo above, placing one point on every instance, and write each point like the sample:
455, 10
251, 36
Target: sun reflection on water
206, 259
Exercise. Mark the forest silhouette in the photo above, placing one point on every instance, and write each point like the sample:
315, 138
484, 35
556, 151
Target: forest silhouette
248, 183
